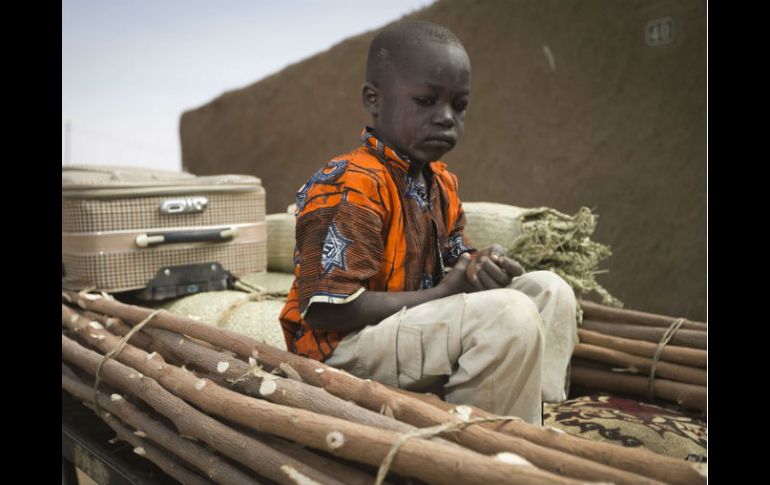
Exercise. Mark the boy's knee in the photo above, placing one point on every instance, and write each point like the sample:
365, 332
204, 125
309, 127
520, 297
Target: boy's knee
549, 281
512, 313
489, 300
550, 284
492, 302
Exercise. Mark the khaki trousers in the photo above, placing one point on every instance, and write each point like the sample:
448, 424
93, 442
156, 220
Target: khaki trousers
502, 350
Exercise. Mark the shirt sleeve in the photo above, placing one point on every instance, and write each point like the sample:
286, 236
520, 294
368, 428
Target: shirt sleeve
339, 235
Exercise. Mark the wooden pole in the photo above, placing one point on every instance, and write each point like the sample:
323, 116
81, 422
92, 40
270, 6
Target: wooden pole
190, 422
687, 395
671, 353
687, 338
250, 380
118, 327
596, 311
346, 474
423, 459
132, 314
368, 393
192, 453
161, 458
373, 395
679, 373
637, 460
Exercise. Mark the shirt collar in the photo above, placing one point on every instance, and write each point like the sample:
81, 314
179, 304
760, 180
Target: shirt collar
383, 151
387, 154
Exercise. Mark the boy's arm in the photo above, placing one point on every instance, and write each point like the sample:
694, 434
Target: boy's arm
371, 307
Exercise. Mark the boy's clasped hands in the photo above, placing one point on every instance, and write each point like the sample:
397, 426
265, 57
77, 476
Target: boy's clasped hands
488, 270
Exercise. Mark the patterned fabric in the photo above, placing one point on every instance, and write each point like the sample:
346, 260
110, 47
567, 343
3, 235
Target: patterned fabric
329, 174
417, 191
602, 417
364, 224
455, 247
335, 247
426, 282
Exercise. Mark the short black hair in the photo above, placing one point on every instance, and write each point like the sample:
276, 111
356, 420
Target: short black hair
389, 44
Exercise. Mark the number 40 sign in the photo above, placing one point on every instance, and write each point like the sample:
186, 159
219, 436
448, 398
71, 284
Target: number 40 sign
659, 31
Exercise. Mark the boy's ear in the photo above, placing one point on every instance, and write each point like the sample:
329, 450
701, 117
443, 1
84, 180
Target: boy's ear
371, 98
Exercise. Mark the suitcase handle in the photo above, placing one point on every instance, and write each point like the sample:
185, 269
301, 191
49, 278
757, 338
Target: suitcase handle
196, 235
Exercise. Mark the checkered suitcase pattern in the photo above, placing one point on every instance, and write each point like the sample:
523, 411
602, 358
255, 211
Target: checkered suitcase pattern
121, 225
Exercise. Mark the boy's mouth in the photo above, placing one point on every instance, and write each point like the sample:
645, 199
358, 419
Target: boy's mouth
440, 140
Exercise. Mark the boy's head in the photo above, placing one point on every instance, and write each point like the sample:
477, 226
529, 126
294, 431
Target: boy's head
417, 89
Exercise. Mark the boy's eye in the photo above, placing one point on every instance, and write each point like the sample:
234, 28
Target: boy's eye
424, 100
461, 105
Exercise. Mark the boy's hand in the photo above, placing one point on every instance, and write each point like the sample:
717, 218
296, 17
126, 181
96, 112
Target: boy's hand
456, 281
491, 269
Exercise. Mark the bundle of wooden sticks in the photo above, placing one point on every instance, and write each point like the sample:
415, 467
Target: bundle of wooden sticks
208, 405
644, 354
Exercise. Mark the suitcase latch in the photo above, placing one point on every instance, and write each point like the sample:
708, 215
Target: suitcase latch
184, 205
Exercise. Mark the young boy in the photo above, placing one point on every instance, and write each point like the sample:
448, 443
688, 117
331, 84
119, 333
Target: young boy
386, 284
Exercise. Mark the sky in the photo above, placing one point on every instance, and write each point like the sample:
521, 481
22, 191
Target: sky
131, 67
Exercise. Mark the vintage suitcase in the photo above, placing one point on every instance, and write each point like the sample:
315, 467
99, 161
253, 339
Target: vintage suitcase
166, 234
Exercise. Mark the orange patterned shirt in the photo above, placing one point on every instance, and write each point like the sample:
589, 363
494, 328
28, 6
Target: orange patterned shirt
364, 224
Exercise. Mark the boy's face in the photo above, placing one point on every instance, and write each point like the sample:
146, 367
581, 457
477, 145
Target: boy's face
419, 109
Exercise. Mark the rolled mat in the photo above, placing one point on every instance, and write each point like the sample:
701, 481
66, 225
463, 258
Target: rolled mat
236, 311
280, 242
270, 282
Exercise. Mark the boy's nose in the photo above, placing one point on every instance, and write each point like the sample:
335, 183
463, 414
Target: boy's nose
443, 116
